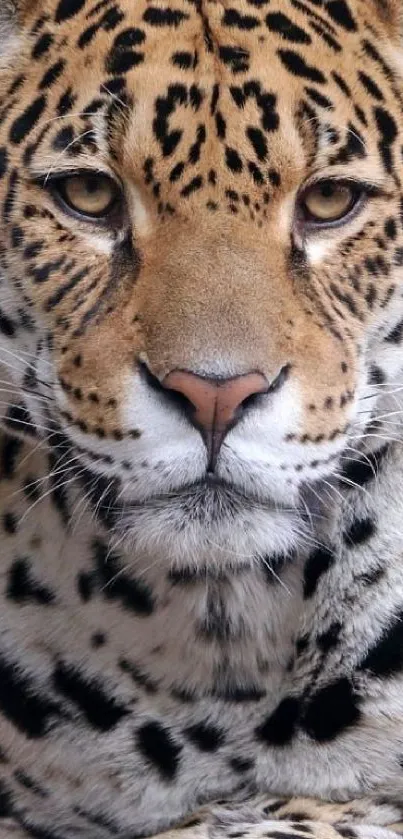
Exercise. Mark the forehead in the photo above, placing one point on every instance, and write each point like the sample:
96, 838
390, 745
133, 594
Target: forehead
217, 46
246, 81
225, 38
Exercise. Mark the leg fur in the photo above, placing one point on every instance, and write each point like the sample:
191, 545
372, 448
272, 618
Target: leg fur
299, 818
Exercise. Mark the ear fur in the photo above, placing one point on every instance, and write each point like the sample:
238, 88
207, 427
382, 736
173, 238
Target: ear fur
14, 15
390, 13
7, 21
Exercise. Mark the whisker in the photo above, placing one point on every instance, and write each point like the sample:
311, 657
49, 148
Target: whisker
368, 434
65, 150
51, 490
15, 391
18, 355
9, 366
273, 573
360, 461
114, 96
42, 444
348, 482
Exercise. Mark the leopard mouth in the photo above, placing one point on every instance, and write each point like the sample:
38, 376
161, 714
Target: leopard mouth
210, 490
210, 496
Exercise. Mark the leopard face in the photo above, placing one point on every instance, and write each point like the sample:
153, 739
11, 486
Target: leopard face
201, 251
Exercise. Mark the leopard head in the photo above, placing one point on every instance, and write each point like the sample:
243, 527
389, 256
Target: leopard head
201, 255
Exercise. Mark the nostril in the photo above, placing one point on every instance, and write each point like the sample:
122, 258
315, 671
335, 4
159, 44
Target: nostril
173, 396
282, 377
180, 401
255, 399
251, 401
149, 378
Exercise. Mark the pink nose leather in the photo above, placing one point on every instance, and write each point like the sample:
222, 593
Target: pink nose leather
216, 404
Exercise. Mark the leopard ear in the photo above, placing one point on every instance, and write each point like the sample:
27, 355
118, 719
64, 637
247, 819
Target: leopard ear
390, 13
14, 16
17, 11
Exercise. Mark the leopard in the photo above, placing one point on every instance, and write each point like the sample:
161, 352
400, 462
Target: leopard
201, 449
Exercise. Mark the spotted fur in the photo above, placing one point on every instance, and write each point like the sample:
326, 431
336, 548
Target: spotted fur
195, 655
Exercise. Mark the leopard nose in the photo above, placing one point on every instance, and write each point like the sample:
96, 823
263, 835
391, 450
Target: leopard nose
214, 406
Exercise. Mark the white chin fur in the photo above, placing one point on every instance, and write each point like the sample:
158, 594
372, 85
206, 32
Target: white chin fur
209, 531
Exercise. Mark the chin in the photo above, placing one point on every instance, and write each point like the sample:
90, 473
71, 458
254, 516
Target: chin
209, 527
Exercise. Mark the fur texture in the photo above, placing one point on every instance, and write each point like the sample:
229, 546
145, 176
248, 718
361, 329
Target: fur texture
212, 655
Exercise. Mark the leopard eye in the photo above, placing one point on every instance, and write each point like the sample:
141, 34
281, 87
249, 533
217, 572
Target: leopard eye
329, 201
92, 196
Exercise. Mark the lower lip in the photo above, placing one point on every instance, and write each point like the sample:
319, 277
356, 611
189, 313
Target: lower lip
209, 482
